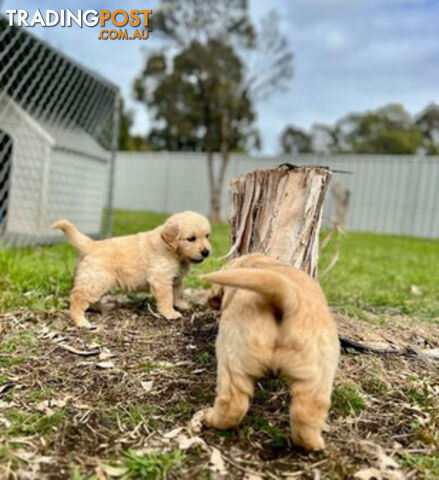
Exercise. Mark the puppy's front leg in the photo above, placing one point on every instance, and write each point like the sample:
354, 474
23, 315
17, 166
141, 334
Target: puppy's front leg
179, 301
164, 296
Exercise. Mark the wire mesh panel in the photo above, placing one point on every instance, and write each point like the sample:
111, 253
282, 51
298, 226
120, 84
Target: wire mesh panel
58, 136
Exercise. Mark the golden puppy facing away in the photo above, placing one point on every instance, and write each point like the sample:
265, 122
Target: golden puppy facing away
153, 261
274, 317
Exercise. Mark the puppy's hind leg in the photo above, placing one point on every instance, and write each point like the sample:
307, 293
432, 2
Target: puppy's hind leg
78, 306
232, 401
87, 292
99, 307
308, 413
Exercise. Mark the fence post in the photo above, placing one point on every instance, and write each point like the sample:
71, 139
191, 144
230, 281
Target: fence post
108, 228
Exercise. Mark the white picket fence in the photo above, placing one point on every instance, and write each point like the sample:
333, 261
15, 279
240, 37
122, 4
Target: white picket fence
389, 194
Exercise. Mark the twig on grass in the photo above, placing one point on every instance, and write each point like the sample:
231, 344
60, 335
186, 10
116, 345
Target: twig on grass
409, 351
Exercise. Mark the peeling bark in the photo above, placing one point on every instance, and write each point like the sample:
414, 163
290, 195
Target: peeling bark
278, 212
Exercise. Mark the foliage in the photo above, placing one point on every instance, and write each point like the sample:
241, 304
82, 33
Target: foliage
294, 140
127, 141
386, 130
183, 21
188, 101
389, 129
428, 123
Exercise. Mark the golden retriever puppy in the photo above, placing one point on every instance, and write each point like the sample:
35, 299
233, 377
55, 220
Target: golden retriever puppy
154, 261
274, 317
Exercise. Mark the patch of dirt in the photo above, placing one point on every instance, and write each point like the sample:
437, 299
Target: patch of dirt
129, 384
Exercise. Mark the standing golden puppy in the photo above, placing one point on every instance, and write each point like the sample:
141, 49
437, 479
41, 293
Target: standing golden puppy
153, 261
274, 317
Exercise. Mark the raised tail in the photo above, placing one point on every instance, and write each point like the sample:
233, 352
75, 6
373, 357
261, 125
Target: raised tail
80, 241
274, 287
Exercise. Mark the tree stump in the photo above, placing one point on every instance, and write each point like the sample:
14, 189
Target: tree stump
278, 212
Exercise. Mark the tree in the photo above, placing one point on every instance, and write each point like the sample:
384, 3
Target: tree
197, 107
294, 140
324, 138
125, 124
127, 141
182, 22
209, 90
387, 130
428, 123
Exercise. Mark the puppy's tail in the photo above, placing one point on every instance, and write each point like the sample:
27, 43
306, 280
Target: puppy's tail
274, 287
81, 242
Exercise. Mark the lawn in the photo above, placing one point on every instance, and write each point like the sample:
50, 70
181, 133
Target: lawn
377, 274
118, 402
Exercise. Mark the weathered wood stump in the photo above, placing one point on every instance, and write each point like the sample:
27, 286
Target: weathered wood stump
278, 212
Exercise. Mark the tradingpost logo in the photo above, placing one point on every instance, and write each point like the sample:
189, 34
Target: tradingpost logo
114, 25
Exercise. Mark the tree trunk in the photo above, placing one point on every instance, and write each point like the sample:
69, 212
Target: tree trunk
215, 194
278, 212
216, 183
215, 205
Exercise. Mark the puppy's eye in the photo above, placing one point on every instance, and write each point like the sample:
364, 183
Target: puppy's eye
191, 239
207, 235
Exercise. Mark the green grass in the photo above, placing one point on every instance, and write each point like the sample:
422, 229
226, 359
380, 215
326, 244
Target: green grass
133, 415
374, 272
374, 385
23, 423
40, 394
179, 411
151, 366
347, 399
14, 349
152, 465
275, 438
426, 465
421, 396
76, 475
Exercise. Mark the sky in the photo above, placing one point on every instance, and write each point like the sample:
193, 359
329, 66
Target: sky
349, 55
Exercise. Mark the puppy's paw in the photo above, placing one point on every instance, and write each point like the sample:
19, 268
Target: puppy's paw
311, 442
182, 305
83, 323
171, 315
196, 423
207, 417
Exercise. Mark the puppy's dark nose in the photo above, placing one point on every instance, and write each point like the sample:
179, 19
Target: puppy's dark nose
205, 253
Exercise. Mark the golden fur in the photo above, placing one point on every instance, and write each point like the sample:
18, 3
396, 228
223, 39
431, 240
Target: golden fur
153, 261
274, 317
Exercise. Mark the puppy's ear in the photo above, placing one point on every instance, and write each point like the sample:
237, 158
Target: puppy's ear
214, 299
170, 234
